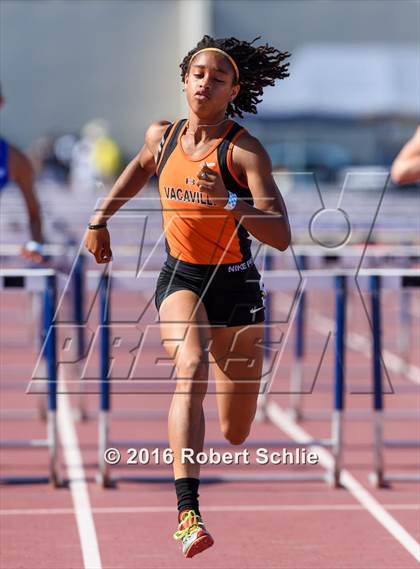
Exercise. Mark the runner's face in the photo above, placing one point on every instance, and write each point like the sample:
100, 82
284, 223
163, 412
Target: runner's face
209, 84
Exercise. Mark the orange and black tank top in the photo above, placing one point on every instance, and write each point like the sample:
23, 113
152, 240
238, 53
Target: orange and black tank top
197, 229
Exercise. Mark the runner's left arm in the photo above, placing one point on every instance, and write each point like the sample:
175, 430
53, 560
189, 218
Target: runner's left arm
267, 220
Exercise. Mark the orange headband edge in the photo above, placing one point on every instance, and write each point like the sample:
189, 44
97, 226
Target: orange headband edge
230, 58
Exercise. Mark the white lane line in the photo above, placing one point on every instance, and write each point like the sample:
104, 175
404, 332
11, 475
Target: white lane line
241, 508
77, 480
297, 433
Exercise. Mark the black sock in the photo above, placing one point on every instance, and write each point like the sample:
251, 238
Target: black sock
187, 494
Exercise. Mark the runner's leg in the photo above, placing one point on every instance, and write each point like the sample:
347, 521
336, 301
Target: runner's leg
237, 359
185, 334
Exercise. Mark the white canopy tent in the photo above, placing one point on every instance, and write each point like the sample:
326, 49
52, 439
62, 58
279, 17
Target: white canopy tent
347, 81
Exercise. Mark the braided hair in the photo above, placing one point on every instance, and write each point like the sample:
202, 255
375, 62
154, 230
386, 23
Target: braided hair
258, 67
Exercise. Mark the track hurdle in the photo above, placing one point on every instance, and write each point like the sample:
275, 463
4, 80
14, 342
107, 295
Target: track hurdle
261, 413
374, 280
403, 339
296, 373
401, 279
77, 285
40, 280
276, 279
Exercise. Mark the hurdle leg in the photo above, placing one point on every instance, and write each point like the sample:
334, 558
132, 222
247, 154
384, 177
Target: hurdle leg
339, 375
296, 375
78, 315
261, 413
51, 353
38, 317
378, 461
404, 343
104, 477
53, 448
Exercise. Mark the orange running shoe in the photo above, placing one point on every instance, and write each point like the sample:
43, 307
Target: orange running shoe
193, 534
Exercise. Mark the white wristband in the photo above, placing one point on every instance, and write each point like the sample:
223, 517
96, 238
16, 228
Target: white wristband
34, 247
232, 201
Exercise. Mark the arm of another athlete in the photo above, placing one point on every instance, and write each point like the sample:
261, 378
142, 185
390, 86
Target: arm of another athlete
129, 183
406, 166
267, 221
22, 173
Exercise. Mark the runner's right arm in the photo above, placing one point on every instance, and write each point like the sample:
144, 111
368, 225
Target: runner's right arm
22, 173
129, 183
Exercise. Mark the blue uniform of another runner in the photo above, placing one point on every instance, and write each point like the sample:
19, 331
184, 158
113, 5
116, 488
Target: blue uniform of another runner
4, 170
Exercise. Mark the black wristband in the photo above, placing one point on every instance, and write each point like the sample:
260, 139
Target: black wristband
97, 225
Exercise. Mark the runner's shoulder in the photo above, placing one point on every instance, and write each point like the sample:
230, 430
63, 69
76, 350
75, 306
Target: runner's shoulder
248, 150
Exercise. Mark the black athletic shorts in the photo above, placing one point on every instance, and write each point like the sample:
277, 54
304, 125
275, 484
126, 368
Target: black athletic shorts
233, 295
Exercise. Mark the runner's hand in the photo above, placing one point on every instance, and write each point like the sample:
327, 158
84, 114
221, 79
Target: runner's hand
98, 242
212, 183
32, 250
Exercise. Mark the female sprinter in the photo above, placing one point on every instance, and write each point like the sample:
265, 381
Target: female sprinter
215, 187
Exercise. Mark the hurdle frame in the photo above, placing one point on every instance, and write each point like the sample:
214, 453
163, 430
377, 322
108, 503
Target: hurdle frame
378, 477
296, 373
374, 280
30, 279
77, 280
296, 376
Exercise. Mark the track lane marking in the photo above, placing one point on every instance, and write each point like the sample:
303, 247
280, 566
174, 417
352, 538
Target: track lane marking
77, 480
233, 509
358, 491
